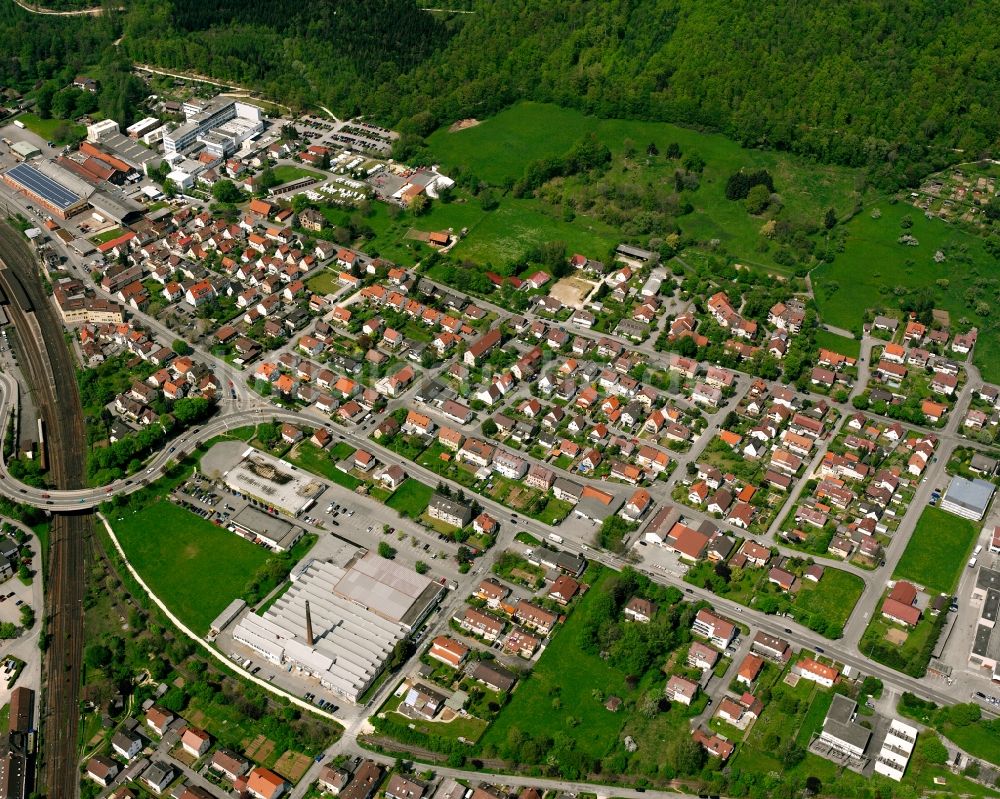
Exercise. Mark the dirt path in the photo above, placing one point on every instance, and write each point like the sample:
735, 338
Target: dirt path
78, 12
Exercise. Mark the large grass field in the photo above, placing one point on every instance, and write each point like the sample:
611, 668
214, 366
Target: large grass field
833, 597
873, 264
499, 149
937, 550
410, 498
195, 567
567, 673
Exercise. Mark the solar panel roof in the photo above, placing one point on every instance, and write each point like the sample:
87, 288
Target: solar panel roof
44, 186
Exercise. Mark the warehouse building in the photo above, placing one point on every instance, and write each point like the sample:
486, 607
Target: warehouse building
340, 625
50, 187
23, 150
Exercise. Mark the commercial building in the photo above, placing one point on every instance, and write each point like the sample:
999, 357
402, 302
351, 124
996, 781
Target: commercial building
274, 482
102, 130
221, 126
50, 187
263, 528
968, 498
224, 619
985, 652
340, 625
23, 150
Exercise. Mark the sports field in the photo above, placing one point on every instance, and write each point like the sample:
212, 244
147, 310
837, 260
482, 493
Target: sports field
194, 567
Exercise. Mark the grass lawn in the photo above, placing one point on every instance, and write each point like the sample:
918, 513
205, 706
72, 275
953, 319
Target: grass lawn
309, 456
285, 173
873, 264
107, 235
469, 728
555, 511
195, 567
46, 128
503, 235
533, 708
813, 719
981, 739
411, 498
833, 597
826, 340
324, 283
937, 550
778, 725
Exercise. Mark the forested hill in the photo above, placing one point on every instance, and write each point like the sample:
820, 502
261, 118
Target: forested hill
849, 81
895, 85
328, 51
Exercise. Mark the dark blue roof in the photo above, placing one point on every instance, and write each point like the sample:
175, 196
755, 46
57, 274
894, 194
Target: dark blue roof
43, 186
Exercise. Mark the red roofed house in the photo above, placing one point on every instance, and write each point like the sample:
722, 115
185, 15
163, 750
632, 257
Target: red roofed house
196, 742
263, 783
449, 651
749, 669
809, 669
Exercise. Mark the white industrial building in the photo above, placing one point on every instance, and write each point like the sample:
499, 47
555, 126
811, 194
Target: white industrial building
339, 625
102, 130
896, 750
220, 125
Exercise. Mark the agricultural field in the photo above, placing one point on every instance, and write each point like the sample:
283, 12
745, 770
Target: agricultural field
876, 270
937, 550
164, 540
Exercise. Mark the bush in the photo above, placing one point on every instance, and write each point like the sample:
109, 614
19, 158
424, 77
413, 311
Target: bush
386, 551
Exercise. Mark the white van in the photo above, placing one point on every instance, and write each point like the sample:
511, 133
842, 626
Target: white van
977, 550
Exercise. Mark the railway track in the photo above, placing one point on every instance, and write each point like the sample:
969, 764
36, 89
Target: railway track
51, 375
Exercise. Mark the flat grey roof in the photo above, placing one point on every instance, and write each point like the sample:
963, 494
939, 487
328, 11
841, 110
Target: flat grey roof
988, 578
986, 644
991, 605
388, 589
974, 495
260, 522
838, 723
